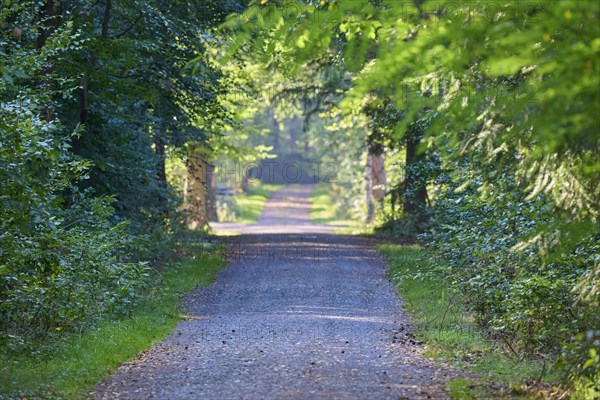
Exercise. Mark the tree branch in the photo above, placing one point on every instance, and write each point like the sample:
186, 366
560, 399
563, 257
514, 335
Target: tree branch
134, 23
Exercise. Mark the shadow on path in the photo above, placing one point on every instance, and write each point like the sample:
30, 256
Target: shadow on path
299, 315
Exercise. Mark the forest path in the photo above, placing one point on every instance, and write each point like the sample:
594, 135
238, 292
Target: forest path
298, 313
286, 211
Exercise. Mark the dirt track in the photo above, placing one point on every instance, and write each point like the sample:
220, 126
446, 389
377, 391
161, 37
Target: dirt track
299, 313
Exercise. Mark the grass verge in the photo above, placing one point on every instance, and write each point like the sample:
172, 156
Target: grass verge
250, 204
323, 211
71, 367
323, 208
450, 333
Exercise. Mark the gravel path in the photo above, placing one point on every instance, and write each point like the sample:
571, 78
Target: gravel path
287, 211
298, 313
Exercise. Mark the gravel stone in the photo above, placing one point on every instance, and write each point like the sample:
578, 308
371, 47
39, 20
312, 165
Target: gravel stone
299, 313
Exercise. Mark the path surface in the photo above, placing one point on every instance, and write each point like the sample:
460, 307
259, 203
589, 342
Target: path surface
287, 211
299, 313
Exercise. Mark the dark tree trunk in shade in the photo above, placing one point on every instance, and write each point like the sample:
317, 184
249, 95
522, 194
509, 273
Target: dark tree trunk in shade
161, 172
50, 14
86, 78
50, 17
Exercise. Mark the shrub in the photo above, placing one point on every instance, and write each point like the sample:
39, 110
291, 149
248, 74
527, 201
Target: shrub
519, 268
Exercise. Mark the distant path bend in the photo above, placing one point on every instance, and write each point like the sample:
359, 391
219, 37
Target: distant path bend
299, 313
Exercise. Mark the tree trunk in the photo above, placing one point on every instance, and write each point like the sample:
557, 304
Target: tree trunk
85, 79
369, 189
50, 15
196, 187
379, 178
83, 98
211, 198
106, 18
161, 172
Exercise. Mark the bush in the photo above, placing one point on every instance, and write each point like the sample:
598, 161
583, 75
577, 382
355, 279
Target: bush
520, 266
64, 256
66, 277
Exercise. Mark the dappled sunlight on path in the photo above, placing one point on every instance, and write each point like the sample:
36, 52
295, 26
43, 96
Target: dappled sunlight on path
299, 313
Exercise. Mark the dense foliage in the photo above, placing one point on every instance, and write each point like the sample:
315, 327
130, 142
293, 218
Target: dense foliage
483, 117
495, 106
92, 94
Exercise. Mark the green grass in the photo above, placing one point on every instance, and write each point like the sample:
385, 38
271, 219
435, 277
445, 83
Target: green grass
450, 333
250, 205
323, 211
461, 389
323, 208
71, 367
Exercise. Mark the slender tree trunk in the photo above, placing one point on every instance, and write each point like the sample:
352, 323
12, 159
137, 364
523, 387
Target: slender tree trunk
161, 172
50, 15
106, 18
196, 190
369, 189
86, 78
379, 178
83, 98
186, 185
375, 171
159, 146
211, 198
